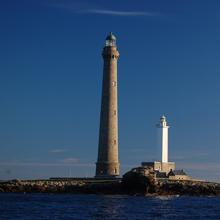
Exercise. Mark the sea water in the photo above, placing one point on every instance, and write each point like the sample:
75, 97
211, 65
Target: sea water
105, 207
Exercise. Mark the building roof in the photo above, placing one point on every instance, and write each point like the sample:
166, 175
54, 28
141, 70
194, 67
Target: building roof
163, 117
111, 36
161, 174
177, 172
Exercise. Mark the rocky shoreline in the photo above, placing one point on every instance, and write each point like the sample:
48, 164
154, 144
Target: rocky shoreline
82, 186
143, 186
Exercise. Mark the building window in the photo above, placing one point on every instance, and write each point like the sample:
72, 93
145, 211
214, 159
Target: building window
114, 141
114, 83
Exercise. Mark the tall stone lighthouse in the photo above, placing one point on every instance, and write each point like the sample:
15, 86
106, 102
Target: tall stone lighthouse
107, 164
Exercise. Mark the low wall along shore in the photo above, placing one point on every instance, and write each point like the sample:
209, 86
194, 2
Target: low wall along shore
132, 185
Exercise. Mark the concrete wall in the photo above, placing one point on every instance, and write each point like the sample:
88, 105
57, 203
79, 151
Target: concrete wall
179, 177
166, 167
162, 167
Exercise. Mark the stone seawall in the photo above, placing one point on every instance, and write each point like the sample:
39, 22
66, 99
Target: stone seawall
86, 186
136, 186
187, 187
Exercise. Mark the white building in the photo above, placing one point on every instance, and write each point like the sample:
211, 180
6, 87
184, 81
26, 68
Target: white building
163, 165
163, 138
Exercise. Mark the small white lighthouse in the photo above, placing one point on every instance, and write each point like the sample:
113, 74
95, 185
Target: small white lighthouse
163, 138
163, 165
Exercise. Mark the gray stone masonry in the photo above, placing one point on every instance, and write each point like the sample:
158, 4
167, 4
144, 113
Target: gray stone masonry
107, 164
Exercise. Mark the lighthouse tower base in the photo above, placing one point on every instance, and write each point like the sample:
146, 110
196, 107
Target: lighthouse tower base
160, 166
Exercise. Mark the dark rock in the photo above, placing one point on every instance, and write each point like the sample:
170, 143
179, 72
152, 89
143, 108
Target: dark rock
135, 182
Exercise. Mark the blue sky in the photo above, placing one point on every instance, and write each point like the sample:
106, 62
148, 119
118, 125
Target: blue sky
50, 83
